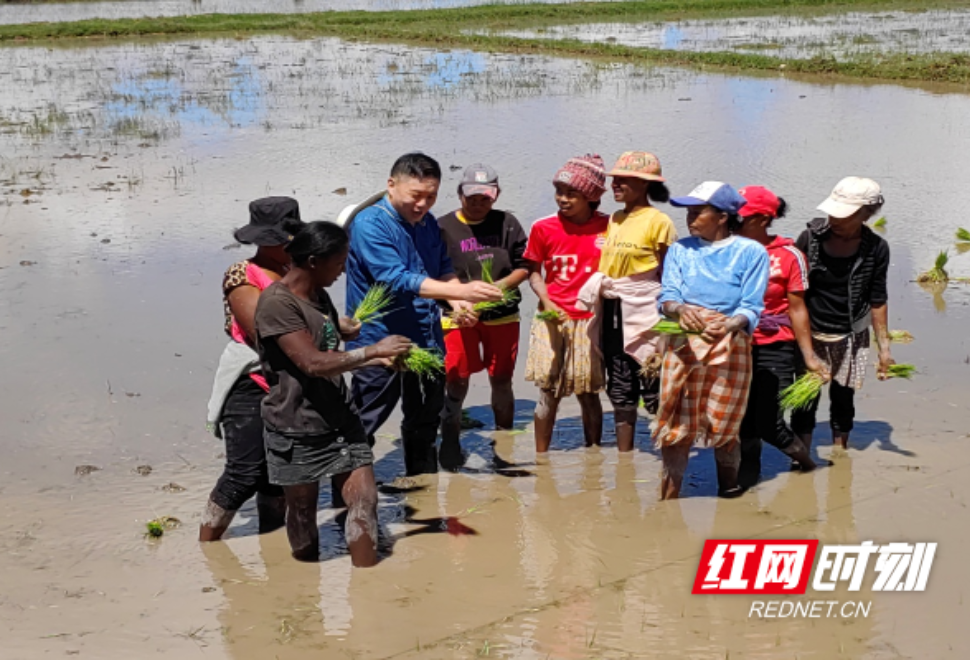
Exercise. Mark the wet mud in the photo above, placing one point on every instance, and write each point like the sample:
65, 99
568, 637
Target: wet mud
126, 167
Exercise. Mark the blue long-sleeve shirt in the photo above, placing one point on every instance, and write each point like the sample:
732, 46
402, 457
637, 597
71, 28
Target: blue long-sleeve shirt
728, 276
384, 247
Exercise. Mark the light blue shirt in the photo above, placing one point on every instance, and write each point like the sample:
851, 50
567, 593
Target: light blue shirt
729, 276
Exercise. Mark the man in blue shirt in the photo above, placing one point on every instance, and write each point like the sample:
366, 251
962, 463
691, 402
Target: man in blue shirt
397, 242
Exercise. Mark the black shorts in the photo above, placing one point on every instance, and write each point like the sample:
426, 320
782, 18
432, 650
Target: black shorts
626, 385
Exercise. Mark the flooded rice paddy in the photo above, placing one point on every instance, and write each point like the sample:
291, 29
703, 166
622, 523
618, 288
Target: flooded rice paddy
56, 12
836, 35
125, 168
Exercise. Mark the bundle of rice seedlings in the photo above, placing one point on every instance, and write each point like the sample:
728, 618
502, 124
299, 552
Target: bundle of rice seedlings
901, 371
880, 223
487, 271
900, 336
963, 235
671, 327
508, 296
374, 305
423, 362
547, 315
937, 274
802, 392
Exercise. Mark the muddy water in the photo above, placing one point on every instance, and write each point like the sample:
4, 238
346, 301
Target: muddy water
13, 13
841, 36
125, 169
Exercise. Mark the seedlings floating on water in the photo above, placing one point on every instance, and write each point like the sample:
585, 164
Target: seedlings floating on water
880, 223
802, 392
157, 527
937, 274
963, 235
374, 304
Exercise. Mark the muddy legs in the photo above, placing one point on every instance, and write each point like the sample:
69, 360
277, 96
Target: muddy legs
545, 420
626, 427
215, 522
301, 521
360, 525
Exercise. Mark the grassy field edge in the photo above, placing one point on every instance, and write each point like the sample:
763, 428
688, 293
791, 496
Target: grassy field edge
449, 28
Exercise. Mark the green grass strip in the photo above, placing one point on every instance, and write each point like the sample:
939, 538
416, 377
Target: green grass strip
446, 28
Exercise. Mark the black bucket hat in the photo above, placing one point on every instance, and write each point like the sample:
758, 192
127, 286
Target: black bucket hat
272, 221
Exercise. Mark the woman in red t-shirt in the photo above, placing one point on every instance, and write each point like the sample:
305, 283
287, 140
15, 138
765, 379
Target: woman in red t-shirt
782, 333
566, 247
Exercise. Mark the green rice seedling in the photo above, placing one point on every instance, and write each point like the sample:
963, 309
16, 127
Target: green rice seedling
508, 297
671, 327
963, 235
424, 362
937, 274
157, 527
802, 392
880, 223
547, 315
374, 305
901, 371
487, 265
900, 336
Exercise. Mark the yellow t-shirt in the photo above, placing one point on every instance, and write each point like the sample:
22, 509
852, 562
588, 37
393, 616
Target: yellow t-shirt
632, 241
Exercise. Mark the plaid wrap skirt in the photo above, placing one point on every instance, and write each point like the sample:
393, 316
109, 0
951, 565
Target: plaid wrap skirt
562, 358
845, 356
703, 390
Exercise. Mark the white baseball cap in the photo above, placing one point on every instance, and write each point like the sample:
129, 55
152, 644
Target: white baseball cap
850, 195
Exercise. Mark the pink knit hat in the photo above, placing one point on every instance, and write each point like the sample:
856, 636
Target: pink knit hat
587, 174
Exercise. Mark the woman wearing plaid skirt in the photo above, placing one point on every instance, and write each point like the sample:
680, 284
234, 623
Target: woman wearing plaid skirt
713, 285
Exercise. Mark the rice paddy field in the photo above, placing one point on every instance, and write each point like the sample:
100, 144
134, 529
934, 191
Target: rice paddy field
126, 164
841, 36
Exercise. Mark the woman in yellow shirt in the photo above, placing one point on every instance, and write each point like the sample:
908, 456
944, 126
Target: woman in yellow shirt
632, 262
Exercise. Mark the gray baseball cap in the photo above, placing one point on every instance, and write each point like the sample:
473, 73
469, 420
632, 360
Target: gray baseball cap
479, 179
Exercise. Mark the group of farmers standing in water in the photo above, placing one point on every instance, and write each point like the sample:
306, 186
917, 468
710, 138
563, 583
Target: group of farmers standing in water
745, 312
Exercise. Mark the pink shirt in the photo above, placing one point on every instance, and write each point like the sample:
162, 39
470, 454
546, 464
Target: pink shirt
244, 273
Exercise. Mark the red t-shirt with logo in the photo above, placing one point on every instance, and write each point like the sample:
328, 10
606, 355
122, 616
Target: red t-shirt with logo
788, 273
569, 254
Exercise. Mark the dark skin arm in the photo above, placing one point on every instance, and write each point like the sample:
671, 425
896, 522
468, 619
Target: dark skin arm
539, 287
880, 324
299, 347
242, 303
800, 323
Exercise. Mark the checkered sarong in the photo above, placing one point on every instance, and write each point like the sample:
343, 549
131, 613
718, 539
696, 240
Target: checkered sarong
703, 390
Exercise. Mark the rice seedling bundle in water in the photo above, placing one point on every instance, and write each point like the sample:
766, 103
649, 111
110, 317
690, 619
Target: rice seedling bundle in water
880, 223
547, 315
937, 273
374, 305
802, 392
901, 371
424, 362
963, 235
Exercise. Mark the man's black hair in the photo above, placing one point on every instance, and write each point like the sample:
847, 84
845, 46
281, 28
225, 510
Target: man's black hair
416, 165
